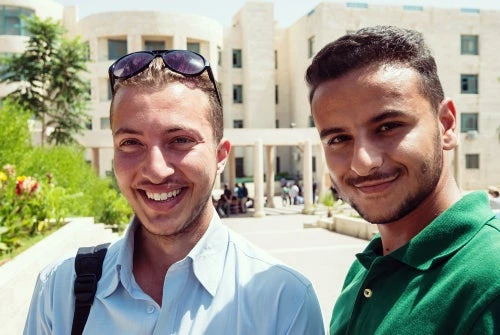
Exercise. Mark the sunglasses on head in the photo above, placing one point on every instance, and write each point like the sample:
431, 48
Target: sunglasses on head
185, 62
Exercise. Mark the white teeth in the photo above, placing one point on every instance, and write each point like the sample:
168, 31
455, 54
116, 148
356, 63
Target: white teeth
163, 196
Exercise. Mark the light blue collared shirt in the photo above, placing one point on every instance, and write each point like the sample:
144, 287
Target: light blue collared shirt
224, 285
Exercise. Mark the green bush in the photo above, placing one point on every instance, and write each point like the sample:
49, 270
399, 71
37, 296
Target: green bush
115, 210
41, 186
15, 133
327, 199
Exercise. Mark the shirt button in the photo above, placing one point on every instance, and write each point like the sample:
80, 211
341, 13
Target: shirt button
367, 293
150, 309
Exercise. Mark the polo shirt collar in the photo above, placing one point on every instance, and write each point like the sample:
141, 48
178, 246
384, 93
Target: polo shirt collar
207, 258
445, 235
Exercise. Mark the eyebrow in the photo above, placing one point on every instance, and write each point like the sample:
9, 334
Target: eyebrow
121, 131
388, 114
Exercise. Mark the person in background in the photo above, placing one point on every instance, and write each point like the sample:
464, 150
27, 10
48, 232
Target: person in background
243, 197
386, 129
177, 269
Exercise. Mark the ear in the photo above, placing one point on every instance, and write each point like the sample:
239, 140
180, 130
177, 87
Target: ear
223, 150
448, 124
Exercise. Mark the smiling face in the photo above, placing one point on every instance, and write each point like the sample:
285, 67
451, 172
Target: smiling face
165, 156
382, 140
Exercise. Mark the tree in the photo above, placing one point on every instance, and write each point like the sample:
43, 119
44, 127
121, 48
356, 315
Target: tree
48, 79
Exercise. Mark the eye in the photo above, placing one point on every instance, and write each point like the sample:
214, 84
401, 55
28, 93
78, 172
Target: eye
389, 126
129, 142
182, 140
129, 145
182, 143
338, 139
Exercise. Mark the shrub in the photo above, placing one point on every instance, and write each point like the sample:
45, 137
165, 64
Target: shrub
50, 184
15, 133
28, 208
115, 210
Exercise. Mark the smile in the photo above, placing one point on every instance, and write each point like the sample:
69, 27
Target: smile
163, 196
375, 185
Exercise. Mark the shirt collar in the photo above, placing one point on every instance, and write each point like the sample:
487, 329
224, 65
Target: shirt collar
208, 257
120, 256
445, 235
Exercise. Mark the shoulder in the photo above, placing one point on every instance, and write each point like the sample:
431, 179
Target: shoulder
263, 266
62, 271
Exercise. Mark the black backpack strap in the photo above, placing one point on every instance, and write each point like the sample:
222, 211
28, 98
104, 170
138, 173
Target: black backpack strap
88, 268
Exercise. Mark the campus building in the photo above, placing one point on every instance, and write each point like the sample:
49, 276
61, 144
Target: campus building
260, 66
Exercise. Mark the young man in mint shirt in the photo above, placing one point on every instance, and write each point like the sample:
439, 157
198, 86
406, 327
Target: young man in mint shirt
387, 131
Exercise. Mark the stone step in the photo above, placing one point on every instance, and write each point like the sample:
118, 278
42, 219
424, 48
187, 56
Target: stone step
18, 276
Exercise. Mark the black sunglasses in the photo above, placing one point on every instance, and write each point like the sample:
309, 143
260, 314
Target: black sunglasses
185, 62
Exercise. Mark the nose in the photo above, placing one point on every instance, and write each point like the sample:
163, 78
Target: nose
156, 167
366, 157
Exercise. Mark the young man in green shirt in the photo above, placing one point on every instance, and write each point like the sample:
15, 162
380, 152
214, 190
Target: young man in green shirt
387, 132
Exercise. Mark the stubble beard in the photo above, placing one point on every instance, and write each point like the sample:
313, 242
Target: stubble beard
427, 180
193, 222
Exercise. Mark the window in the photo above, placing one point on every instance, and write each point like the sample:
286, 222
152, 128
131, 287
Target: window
11, 22
110, 94
237, 123
154, 45
116, 49
193, 46
105, 123
469, 83
469, 45
239, 163
472, 161
88, 124
470, 10
277, 123
237, 61
275, 59
87, 50
356, 4
311, 121
310, 46
276, 94
413, 8
468, 122
237, 93
219, 56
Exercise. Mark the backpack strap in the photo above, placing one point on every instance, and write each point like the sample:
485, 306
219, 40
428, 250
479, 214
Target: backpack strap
88, 268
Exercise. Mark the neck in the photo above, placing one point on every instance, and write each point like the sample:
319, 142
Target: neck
398, 233
154, 254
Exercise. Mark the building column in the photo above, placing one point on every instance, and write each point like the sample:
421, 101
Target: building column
271, 153
96, 165
307, 177
258, 178
232, 170
321, 171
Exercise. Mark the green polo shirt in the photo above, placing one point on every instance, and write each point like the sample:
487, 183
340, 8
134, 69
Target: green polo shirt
446, 280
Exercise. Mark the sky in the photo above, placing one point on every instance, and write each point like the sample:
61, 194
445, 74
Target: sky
286, 12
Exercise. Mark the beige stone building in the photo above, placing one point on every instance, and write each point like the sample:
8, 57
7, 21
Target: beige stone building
260, 66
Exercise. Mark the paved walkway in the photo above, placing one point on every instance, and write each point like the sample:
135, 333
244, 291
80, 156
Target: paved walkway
323, 256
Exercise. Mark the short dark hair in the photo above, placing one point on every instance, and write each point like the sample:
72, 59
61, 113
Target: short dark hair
377, 45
